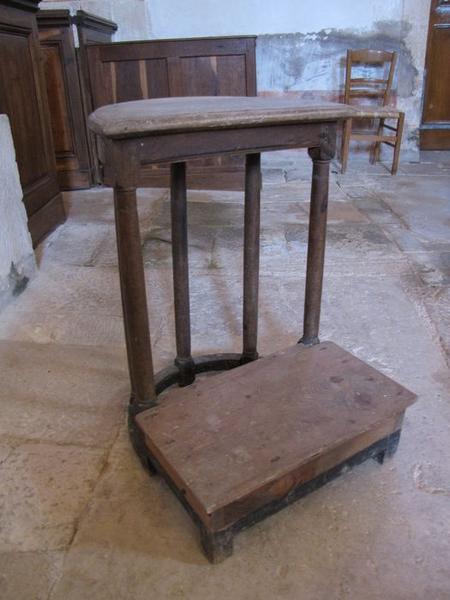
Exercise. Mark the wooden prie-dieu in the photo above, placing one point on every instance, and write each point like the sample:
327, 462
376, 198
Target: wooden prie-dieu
240, 445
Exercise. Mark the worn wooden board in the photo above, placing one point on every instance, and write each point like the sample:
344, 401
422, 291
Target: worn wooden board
127, 71
147, 117
235, 441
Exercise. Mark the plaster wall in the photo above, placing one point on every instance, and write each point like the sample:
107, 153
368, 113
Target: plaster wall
17, 263
301, 45
132, 16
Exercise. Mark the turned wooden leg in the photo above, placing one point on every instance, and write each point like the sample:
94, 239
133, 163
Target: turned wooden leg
375, 157
178, 204
316, 246
134, 301
346, 134
251, 256
218, 545
398, 142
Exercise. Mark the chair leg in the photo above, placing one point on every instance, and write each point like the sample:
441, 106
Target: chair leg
377, 146
398, 141
346, 132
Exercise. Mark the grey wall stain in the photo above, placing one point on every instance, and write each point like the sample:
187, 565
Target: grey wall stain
316, 61
17, 282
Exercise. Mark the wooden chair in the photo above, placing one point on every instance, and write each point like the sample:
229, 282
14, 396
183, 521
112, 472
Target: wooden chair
375, 89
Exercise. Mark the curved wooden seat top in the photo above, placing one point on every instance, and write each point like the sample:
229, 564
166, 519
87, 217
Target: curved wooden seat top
170, 115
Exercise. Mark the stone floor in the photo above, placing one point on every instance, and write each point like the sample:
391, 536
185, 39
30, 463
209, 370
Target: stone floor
79, 517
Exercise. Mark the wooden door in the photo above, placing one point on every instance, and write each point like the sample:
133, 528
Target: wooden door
23, 98
435, 128
125, 71
64, 94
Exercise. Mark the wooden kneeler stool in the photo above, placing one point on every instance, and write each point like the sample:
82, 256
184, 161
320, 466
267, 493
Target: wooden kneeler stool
240, 445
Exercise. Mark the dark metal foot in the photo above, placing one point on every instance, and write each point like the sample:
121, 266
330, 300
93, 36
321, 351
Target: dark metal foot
392, 443
151, 468
186, 369
137, 439
248, 357
380, 457
309, 341
202, 364
218, 545
390, 449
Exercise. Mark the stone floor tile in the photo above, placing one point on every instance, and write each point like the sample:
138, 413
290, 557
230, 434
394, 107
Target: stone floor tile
135, 537
42, 421
376, 532
62, 328
436, 300
422, 205
63, 289
67, 394
29, 575
45, 488
5, 451
75, 244
433, 268
78, 376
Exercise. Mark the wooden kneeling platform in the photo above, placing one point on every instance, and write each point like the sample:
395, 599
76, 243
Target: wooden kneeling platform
242, 444
238, 446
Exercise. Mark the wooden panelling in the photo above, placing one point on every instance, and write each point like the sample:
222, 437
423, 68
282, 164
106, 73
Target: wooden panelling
213, 76
68, 109
127, 71
435, 128
155, 78
91, 29
64, 93
57, 100
23, 108
23, 98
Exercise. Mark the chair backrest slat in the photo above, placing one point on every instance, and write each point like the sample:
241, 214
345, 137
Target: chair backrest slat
369, 87
357, 81
366, 93
371, 57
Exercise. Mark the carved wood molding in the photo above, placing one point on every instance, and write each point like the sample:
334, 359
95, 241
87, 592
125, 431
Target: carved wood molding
89, 21
54, 18
31, 5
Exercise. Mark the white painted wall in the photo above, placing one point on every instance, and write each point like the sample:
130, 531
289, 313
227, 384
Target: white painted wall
178, 18
132, 16
17, 263
402, 20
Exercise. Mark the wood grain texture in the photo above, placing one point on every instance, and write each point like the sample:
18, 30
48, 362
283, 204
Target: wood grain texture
68, 98
252, 223
180, 262
240, 140
23, 97
243, 444
175, 115
127, 71
64, 93
237, 438
435, 128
